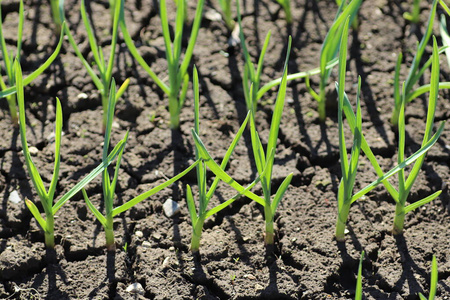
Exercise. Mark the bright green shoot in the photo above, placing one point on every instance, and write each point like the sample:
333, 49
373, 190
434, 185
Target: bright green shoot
47, 196
414, 15
109, 185
198, 216
329, 52
417, 68
105, 69
433, 282
266, 160
225, 5
8, 59
177, 64
252, 77
56, 13
286, 5
358, 292
406, 183
349, 168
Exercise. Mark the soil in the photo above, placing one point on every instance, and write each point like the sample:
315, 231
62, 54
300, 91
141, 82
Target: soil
153, 250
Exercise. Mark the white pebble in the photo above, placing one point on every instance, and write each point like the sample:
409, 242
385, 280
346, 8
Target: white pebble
139, 234
82, 96
171, 208
146, 244
135, 288
33, 150
14, 197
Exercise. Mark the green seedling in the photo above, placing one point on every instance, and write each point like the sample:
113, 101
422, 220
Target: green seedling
225, 5
177, 64
433, 282
8, 59
358, 292
329, 52
345, 198
414, 15
56, 14
405, 184
198, 216
251, 78
47, 196
286, 5
266, 160
418, 67
349, 168
109, 185
105, 69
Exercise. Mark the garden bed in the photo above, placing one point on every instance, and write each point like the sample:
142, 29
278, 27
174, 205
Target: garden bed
306, 262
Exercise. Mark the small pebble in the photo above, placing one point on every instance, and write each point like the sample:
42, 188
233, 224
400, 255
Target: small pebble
156, 236
258, 287
250, 276
171, 208
139, 234
146, 244
33, 150
213, 15
135, 288
165, 263
14, 197
82, 96
172, 248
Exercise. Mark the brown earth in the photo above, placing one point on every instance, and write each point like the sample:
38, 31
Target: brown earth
306, 262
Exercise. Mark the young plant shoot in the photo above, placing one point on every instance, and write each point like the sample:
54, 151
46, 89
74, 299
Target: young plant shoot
103, 83
56, 14
329, 52
358, 291
349, 168
345, 198
286, 5
433, 282
47, 196
418, 67
414, 15
225, 5
406, 183
109, 185
8, 60
177, 64
251, 78
266, 160
198, 216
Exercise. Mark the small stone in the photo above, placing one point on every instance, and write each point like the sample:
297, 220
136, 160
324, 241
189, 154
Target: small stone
14, 197
165, 263
139, 234
82, 96
346, 231
156, 236
33, 150
213, 15
171, 248
171, 208
146, 244
250, 276
258, 287
135, 288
